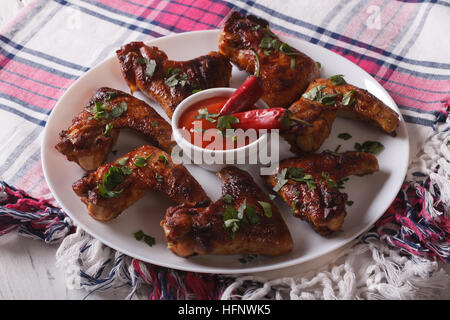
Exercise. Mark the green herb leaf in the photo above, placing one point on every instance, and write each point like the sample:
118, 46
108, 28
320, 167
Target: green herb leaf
150, 68
337, 79
349, 203
267, 208
141, 161
349, 98
204, 114
140, 235
172, 81
319, 65
281, 180
272, 196
154, 123
298, 175
251, 214
227, 198
328, 99
118, 109
112, 178
331, 182
294, 204
292, 63
123, 161
159, 177
288, 50
225, 122
196, 90
372, 147
163, 158
107, 193
344, 136
126, 170
108, 129
314, 93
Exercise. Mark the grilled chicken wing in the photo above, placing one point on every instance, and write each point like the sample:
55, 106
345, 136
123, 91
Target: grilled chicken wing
115, 186
310, 185
169, 82
218, 228
285, 71
95, 130
323, 101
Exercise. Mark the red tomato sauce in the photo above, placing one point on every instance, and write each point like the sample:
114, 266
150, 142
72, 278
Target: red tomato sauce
212, 139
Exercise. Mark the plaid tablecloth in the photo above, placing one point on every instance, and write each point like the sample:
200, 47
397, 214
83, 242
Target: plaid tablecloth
402, 44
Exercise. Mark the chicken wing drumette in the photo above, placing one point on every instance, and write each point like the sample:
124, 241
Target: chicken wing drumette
243, 221
115, 186
310, 185
149, 70
95, 129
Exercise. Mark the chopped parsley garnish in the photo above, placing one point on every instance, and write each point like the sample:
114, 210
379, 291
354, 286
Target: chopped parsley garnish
373, 147
294, 204
349, 98
344, 136
127, 170
317, 95
249, 257
331, 182
298, 175
123, 161
267, 42
288, 50
108, 129
150, 66
225, 122
292, 63
140, 235
232, 218
141, 161
101, 110
175, 77
349, 203
196, 90
163, 158
272, 196
159, 177
203, 113
267, 208
227, 198
281, 180
337, 79
110, 181
154, 123
319, 65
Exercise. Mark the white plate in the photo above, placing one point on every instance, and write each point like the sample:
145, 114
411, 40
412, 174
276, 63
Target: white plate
371, 194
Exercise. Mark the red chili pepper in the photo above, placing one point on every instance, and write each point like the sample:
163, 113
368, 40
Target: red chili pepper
274, 118
247, 94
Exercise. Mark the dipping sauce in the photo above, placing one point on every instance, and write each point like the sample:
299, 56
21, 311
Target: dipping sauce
202, 126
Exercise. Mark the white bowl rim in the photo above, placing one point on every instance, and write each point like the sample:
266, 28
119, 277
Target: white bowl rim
186, 103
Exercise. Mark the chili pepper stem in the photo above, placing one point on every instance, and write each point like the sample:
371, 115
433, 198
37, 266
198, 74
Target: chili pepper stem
305, 123
258, 63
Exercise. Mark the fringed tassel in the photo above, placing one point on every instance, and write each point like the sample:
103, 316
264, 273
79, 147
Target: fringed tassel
90, 265
34, 218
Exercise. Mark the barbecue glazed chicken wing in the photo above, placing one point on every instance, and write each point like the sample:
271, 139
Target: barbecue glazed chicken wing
169, 82
285, 71
115, 186
243, 221
95, 130
325, 99
310, 185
